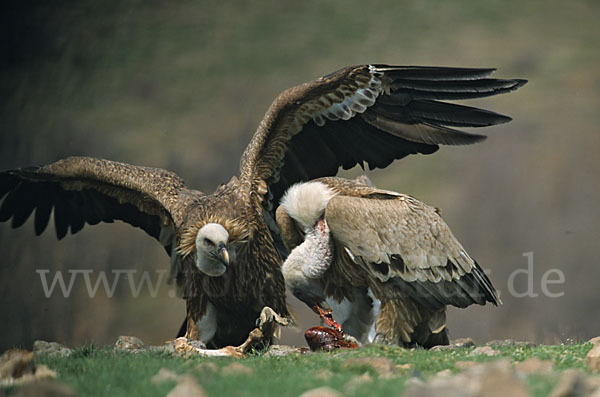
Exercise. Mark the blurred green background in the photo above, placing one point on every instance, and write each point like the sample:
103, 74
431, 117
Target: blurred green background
183, 85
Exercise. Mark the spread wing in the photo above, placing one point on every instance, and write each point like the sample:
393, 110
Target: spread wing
369, 114
406, 245
86, 190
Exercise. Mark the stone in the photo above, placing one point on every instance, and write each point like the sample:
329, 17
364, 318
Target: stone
129, 343
322, 392
462, 365
534, 366
456, 344
207, 368
47, 388
236, 369
404, 368
384, 367
17, 367
15, 363
462, 342
284, 350
484, 351
593, 359
444, 373
570, 384
356, 382
323, 374
51, 349
187, 387
496, 378
165, 375
509, 342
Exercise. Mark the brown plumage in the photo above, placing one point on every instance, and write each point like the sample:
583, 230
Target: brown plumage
355, 238
223, 246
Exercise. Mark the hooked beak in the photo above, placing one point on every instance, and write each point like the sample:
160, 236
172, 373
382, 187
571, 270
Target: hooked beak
223, 254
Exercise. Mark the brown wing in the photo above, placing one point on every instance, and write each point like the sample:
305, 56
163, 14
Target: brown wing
86, 190
367, 113
407, 248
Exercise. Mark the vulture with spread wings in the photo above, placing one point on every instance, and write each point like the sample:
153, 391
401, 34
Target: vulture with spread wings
223, 246
355, 248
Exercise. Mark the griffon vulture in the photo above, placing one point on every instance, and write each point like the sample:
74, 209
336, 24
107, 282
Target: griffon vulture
223, 246
353, 245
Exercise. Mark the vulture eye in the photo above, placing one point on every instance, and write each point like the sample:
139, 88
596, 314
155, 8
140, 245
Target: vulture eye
208, 242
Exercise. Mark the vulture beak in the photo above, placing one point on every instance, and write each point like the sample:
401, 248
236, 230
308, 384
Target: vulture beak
223, 254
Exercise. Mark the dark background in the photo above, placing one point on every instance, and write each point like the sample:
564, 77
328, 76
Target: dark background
183, 86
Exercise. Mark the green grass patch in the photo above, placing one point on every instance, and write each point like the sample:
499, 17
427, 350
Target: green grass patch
95, 371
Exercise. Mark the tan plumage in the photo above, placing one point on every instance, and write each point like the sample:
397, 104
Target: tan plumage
390, 243
366, 113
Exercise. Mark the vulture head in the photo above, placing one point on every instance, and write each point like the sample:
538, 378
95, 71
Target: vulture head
212, 256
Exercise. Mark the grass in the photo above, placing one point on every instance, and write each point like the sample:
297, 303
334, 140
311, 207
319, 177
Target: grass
95, 371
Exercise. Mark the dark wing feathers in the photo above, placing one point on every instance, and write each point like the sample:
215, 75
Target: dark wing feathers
344, 145
434, 73
369, 114
405, 90
83, 190
470, 288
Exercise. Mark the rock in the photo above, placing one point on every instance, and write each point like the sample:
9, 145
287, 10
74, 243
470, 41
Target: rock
323, 374
447, 388
484, 351
456, 344
51, 349
284, 350
46, 387
414, 381
165, 375
207, 368
444, 373
383, 366
491, 379
236, 369
535, 366
167, 348
570, 384
594, 341
498, 379
15, 363
403, 368
509, 342
129, 343
187, 387
462, 342
593, 359
462, 365
322, 392
356, 382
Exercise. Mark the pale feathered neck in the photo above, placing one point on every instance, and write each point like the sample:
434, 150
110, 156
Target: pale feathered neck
306, 202
312, 258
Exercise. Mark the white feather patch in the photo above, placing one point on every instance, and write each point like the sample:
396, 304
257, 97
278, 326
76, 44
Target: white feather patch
358, 102
306, 202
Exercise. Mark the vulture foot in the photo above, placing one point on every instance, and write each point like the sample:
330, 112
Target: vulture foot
268, 317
